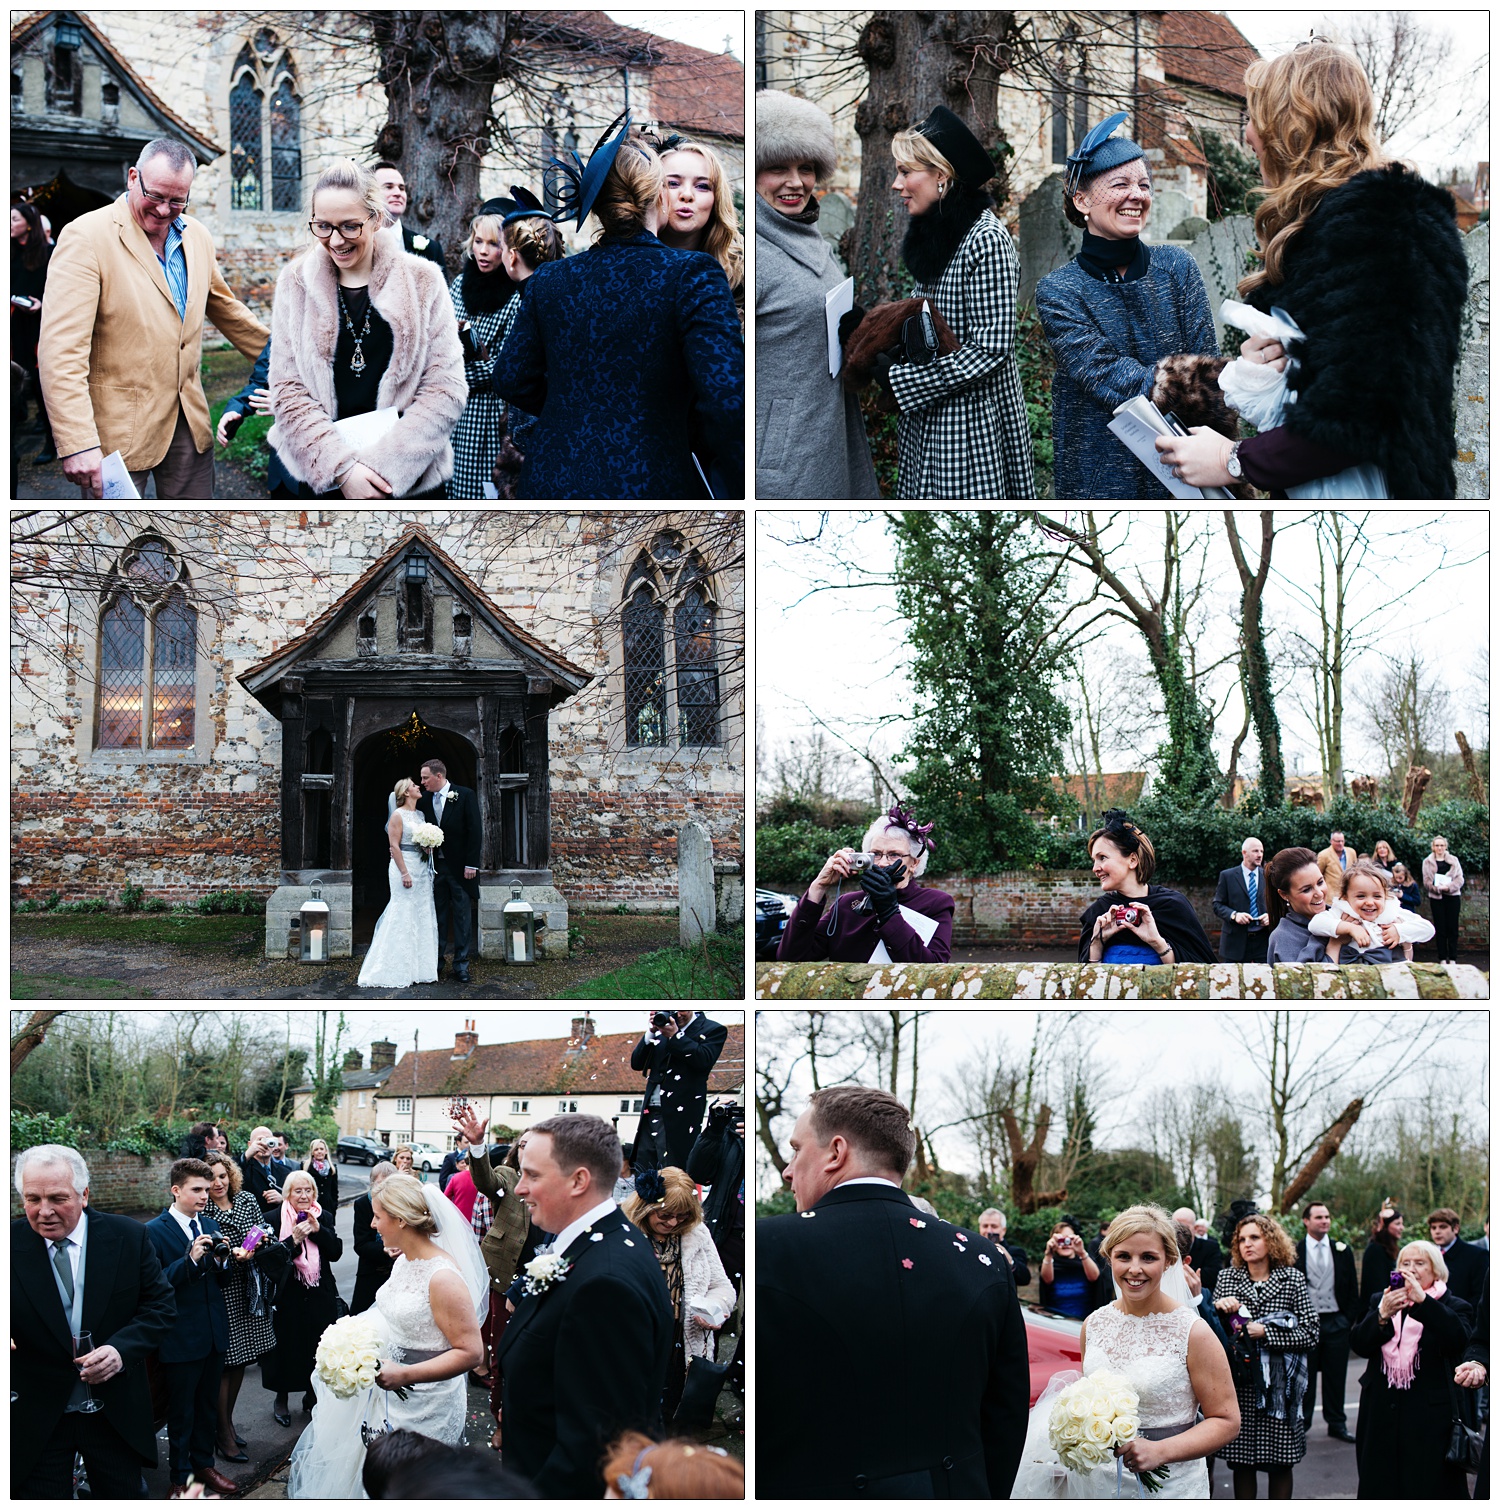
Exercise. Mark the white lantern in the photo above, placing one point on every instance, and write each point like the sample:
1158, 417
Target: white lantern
519, 920
315, 929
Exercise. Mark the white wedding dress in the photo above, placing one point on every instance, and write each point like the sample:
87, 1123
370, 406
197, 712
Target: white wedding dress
404, 951
1151, 1352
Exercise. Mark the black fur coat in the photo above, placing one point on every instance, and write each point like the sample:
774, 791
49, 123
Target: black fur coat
1377, 278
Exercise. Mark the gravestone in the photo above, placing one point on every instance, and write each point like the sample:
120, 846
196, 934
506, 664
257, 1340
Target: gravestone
1168, 207
1219, 252
1045, 238
835, 216
1471, 388
695, 883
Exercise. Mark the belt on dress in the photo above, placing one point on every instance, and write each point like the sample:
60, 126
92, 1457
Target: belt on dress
422, 1355
1161, 1433
412, 849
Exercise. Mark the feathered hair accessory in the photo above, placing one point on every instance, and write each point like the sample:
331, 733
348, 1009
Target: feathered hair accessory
526, 205
650, 1186
1097, 152
573, 185
902, 819
1121, 832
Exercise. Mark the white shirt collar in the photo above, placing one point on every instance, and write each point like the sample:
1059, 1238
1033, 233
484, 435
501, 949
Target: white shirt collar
868, 1179
183, 1221
574, 1228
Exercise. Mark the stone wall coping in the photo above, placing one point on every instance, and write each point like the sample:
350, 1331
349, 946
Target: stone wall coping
1046, 981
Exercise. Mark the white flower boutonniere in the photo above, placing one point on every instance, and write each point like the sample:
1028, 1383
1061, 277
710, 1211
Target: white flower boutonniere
544, 1271
420, 243
1342, 1247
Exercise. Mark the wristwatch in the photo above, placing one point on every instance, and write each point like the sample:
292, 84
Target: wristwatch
1232, 463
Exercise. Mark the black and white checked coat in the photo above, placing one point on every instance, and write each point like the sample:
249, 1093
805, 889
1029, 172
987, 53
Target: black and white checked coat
963, 431
476, 437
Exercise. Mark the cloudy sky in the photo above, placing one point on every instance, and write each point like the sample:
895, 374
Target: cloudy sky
712, 30
840, 655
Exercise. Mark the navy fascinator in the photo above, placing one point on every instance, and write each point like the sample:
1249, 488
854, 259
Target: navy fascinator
1099, 151
525, 204
573, 185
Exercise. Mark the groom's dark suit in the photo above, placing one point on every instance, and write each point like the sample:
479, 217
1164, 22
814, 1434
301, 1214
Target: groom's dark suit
127, 1304
463, 828
893, 1348
586, 1360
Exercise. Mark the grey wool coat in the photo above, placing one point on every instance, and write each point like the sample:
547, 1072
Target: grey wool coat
963, 430
425, 379
810, 437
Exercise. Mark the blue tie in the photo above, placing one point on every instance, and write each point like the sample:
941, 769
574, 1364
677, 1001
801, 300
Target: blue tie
1254, 902
193, 1227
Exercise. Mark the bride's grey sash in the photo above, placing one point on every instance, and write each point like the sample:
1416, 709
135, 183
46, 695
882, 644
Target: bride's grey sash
1161, 1433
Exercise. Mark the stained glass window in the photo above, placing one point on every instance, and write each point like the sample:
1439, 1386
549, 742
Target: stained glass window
697, 673
645, 670
173, 656
245, 145
265, 128
286, 147
122, 641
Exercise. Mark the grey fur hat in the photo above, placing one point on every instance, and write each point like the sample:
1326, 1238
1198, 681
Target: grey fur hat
789, 129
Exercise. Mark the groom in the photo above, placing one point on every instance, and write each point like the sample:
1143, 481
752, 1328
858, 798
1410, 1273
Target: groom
455, 882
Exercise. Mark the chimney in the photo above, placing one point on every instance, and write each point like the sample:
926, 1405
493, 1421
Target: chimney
583, 1030
466, 1042
354, 1060
382, 1055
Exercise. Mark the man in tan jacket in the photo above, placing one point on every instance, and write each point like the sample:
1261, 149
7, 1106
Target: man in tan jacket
1334, 862
122, 331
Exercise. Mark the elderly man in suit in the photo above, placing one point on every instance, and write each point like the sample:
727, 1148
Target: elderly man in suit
1334, 862
1331, 1281
122, 332
1468, 1264
1243, 907
74, 1270
891, 1342
993, 1224
1205, 1255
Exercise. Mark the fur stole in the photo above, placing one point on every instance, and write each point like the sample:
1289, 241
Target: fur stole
932, 238
879, 331
484, 293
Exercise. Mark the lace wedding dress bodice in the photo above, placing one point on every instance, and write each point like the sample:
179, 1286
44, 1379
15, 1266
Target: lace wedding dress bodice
406, 1310
1151, 1352
404, 950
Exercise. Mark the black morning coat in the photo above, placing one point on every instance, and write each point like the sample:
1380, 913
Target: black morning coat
375, 1264
127, 1303
1467, 1268
463, 827
586, 1360
1345, 1283
892, 1355
1236, 942
681, 1065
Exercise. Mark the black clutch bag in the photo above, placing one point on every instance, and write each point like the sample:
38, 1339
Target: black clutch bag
1465, 1442
700, 1392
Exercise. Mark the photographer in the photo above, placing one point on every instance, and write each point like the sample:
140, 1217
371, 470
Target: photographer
890, 917
677, 1054
1068, 1272
259, 1166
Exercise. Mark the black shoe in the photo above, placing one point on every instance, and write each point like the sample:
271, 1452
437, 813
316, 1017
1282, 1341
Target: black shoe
45, 457
308, 1401
1340, 1433
281, 1413
233, 1457
461, 972
240, 1441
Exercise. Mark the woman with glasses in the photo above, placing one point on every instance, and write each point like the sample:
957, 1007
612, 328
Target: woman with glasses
363, 332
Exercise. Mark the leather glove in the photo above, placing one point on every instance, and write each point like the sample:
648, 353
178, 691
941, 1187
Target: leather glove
849, 322
879, 885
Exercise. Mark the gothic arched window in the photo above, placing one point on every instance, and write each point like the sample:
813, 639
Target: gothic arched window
697, 668
148, 641
645, 669
265, 128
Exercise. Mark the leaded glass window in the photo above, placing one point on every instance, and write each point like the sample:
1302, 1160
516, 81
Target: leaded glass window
174, 670
122, 642
265, 128
286, 147
697, 672
645, 670
244, 145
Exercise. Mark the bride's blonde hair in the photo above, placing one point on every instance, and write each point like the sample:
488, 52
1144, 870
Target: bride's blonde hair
1137, 1219
405, 785
401, 1196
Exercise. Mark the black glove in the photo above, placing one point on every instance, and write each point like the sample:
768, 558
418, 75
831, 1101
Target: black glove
881, 370
466, 340
880, 886
849, 322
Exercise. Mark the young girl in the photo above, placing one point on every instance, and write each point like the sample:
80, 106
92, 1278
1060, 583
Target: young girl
1298, 895
1370, 918
480, 295
698, 210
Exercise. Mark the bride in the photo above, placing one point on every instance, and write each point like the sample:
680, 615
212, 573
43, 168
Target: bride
404, 950
1153, 1336
429, 1312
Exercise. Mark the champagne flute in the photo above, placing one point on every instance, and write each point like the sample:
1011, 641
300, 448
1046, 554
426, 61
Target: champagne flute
83, 1345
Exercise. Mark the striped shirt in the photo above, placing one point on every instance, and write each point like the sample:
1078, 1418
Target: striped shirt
174, 266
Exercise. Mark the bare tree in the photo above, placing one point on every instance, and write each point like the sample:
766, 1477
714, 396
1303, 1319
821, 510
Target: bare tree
1405, 711
826, 1046
30, 1035
1255, 664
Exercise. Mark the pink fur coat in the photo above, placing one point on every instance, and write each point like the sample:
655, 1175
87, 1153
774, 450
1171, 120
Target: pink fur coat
425, 379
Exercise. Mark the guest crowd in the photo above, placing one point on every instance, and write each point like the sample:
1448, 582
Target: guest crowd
118, 1327
614, 373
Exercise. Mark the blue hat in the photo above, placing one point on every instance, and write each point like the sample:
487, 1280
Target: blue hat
574, 185
525, 204
1098, 152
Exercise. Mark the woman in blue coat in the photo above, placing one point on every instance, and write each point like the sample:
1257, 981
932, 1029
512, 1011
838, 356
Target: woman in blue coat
630, 353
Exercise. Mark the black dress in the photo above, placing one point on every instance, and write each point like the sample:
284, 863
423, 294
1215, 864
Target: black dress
302, 1314
26, 324
248, 1337
328, 1187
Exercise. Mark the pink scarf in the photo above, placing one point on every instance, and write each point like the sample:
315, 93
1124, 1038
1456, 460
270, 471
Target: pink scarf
1400, 1353
308, 1262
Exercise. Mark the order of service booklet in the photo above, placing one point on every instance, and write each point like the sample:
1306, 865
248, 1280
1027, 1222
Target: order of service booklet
1136, 425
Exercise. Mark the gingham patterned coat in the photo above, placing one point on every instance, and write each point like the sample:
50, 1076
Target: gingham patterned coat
476, 437
962, 431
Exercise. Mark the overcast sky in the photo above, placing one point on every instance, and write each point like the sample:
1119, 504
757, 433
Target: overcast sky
712, 30
841, 655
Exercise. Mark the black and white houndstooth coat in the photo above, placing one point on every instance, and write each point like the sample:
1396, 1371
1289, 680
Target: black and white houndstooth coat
963, 431
476, 437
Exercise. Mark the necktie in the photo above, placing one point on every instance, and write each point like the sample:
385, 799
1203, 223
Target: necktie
193, 1228
1254, 900
64, 1266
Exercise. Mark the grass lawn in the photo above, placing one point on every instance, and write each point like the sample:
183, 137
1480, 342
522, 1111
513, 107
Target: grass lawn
712, 969
226, 932
224, 374
71, 988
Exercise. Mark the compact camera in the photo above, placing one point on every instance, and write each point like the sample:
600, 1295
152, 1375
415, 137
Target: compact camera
1126, 915
718, 1116
862, 861
1398, 1280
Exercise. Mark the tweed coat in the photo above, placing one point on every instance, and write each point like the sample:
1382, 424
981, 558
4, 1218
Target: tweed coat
1107, 339
963, 431
810, 439
425, 379
476, 437
116, 359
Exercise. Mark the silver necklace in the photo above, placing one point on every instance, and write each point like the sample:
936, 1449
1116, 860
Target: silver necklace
357, 361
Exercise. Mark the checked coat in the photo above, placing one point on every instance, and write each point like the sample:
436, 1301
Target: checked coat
963, 430
476, 437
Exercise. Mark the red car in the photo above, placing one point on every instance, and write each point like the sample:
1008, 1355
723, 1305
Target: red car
1051, 1345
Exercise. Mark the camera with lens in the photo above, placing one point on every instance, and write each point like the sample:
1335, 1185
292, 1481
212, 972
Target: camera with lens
659, 1020
218, 1244
861, 862
725, 1115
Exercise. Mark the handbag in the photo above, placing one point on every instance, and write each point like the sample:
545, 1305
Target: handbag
700, 1393
1465, 1443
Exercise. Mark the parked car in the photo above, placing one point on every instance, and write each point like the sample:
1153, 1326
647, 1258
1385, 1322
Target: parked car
427, 1158
353, 1150
1051, 1344
772, 909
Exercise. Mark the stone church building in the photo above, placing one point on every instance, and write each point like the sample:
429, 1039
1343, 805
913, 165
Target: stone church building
234, 696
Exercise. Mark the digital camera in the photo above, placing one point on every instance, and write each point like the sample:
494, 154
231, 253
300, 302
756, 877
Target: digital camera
862, 861
1126, 914
659, 1020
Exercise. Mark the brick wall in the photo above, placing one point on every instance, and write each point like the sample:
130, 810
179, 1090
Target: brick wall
1021, 908
121, 1182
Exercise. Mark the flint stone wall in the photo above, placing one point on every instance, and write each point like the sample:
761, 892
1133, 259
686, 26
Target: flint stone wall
1048, 982
1471, 393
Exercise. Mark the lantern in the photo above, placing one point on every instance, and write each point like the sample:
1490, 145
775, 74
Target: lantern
519, 921
314, 916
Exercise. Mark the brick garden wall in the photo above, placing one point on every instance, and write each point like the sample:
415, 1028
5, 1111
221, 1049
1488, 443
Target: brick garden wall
120, 1181
1020, 908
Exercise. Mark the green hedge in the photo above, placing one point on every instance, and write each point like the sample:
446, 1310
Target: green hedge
791, 854
157, 1135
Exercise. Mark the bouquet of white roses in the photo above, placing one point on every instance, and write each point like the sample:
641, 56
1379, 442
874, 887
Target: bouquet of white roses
430, 837
1093, 1417
348, 1356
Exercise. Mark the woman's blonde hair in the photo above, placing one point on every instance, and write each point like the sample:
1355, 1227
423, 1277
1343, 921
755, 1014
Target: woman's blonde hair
1434, 1256
911, 149
401, 1148
681, 1200
631, 187
491, 223
722, 238
1314, 113
534, 240
1279, 1249
405, 785
401, 1196
354, 178
1137, 1219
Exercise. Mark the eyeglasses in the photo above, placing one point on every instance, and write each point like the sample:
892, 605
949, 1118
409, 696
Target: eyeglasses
179, 205
666, 1220
350, 230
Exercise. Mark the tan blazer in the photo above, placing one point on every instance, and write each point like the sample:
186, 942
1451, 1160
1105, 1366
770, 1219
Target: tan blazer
1328, 863
115, 359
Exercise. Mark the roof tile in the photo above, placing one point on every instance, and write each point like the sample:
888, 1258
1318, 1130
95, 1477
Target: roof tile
1206, 48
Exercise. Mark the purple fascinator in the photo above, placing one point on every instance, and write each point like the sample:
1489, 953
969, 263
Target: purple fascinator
920, 831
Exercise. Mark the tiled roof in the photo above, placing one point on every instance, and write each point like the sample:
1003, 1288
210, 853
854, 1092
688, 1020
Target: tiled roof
550, 1066
1206, 48
354, 1080
1121, 788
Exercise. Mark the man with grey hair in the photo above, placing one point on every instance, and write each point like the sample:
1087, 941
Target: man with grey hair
75, 1271
992, 1224
120, 350
1242, 906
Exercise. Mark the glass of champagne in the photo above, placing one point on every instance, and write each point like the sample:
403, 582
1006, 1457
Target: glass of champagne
83, 1345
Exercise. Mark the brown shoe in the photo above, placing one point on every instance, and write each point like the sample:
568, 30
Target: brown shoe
218, 1483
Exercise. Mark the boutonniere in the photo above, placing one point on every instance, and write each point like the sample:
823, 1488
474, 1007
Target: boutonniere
545, 1271
1342, 1247
420, 243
